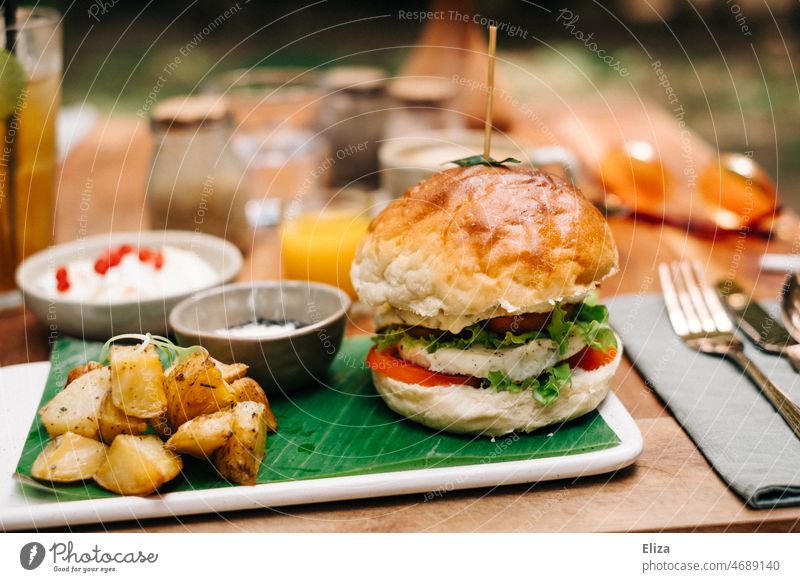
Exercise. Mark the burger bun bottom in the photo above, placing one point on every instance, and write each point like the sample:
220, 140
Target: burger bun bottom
468, 410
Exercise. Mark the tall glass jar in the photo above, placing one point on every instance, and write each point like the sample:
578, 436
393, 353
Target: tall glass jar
30, 95
352, 118
196, 181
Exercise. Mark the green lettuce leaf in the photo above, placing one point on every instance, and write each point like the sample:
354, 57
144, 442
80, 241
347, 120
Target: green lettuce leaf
557, 378
545, 389
502, 383
389, 337
598, 313
597, 335
559, 328
590, 321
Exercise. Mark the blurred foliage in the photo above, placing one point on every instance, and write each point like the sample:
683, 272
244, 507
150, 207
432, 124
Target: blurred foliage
732, 83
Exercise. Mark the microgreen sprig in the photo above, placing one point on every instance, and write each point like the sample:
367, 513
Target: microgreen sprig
479, 160
174, 352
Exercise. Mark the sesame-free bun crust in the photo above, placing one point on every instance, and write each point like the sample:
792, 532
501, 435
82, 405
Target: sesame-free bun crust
472, 243
468, 410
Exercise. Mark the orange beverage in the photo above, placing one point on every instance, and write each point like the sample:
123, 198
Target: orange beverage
320, 245
634, 173
27, 168
36, 164
738, 191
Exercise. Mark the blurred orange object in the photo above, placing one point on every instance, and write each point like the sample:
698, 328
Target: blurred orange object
319, 245
737, 191
634, 174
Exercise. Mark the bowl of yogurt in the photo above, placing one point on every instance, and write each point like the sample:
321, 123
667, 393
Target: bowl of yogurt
124, 282
287, 332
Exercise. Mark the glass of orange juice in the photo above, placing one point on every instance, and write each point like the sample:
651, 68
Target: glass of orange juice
319, 237
30, 89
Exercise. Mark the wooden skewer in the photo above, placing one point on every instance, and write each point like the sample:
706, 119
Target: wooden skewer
487, 124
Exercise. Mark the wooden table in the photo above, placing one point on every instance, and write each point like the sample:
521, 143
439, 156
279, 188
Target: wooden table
671, 486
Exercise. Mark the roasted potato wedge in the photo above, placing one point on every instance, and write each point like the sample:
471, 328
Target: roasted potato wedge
137, 381
203, 435
248, 390
195, 387
112, 421
137, 465
239, 459
231, 372
77, 407
79, 371
69, 457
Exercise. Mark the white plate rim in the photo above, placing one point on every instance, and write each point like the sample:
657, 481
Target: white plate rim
44, 514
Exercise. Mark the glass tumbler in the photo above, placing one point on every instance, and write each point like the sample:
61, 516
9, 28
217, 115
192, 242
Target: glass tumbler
30, 95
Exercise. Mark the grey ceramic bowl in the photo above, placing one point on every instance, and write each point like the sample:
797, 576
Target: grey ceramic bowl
286, 362
101, 320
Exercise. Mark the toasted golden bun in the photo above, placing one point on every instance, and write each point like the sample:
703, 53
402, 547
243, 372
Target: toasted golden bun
472, 243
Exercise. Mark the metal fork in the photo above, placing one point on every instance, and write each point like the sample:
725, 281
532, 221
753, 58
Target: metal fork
698, 317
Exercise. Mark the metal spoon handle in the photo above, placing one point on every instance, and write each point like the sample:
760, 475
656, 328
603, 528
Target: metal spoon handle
782, 403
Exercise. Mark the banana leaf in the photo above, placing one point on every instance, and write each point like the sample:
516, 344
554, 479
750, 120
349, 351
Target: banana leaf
332, 430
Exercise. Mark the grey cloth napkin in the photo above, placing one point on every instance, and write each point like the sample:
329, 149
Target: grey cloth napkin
736, 428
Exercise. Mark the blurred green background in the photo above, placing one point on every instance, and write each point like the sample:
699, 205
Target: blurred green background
732, 63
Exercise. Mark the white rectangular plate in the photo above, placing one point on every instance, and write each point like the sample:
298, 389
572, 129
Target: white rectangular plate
21, 389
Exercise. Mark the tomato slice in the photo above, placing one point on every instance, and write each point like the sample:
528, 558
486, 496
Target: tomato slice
388, 363
592, 358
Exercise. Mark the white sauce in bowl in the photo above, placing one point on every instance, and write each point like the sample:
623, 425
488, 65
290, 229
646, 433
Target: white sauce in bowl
258, 329
132, 279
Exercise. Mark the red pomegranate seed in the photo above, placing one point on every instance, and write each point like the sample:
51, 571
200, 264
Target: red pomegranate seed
101, 266
114, 257
125, 249
158, 261
145, 254
61, 274
63, 285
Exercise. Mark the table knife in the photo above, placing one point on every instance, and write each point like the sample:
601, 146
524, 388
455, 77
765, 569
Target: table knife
763, 330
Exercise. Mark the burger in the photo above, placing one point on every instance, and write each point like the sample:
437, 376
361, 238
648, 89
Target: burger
482, 279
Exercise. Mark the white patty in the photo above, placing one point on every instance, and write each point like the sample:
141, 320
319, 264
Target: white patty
518, 363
